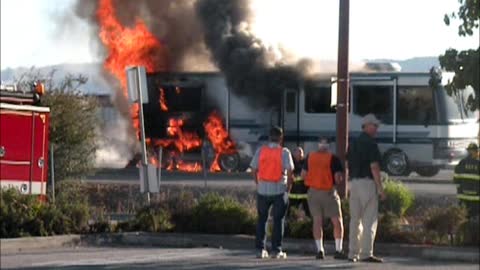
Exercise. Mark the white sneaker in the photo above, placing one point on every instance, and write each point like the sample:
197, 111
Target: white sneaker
280, 255
263, 254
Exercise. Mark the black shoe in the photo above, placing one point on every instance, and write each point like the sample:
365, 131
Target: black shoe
353, 260
339, 255
320, 255
373, 259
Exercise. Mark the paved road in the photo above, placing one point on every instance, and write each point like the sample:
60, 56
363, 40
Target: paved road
438, 185
194, 259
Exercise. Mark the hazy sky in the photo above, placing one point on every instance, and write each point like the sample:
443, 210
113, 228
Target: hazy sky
395, 29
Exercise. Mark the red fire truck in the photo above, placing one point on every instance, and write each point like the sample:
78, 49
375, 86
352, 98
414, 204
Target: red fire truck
23, 139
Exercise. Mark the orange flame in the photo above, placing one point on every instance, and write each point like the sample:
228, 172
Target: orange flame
174, 163
134, 46
183, 141
162, 101
219, 137
189, 167
153, 161
180, 141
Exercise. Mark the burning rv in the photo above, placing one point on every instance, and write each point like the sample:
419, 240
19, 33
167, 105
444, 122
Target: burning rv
423, 129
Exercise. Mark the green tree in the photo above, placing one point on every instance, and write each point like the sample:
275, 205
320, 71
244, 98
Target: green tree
73, 122
469, 13
465, 64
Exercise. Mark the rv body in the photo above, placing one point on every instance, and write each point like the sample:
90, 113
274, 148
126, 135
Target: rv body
423, 129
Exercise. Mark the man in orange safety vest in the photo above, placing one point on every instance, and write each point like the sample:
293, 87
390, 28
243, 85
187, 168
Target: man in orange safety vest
272, 167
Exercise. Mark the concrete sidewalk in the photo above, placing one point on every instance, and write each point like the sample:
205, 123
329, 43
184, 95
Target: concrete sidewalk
179, 240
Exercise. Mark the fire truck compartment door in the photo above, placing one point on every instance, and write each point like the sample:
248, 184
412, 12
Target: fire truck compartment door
16, 139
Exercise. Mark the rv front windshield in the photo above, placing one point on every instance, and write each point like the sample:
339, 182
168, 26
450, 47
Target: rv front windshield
456, 107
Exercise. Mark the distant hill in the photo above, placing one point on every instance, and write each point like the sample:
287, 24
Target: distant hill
98, 85
417, 64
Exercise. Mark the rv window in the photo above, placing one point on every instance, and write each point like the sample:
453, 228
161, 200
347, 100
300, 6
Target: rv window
318, 99
185, 99
376, 99
290, 102
415, 106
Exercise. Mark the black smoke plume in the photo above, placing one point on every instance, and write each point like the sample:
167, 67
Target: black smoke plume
199, 32
250, 68
174, 23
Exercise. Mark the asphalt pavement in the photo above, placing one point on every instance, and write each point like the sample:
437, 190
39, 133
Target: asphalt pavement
145, 258
141, 250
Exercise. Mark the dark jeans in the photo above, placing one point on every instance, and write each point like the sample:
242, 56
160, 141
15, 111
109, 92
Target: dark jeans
279, 210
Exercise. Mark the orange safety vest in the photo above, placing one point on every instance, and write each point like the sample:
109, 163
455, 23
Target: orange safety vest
270, 167
319, 174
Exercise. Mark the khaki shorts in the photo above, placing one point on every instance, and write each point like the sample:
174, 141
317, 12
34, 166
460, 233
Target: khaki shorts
324, 203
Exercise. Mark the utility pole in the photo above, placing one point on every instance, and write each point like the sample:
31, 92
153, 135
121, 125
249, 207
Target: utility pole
342, 90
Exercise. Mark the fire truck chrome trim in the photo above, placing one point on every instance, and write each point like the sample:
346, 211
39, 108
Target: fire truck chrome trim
24, 107
12, 162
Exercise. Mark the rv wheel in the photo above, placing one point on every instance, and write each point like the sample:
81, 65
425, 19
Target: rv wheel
427, 171
396, 163
229, 162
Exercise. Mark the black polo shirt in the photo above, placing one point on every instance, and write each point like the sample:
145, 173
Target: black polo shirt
361, 153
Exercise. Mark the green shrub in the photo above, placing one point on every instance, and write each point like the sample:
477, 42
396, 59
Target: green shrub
180, 205
469, 232
442, 222
18, 214
25, 215
124, 226
217, 214
72, 202
390, 230
52, 221
298, 225
152, 219
399, 198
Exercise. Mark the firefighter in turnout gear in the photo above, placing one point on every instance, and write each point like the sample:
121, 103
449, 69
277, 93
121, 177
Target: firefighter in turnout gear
298, 194
467, 178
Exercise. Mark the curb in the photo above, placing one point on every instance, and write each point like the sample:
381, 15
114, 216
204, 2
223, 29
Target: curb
188, 240
11, 245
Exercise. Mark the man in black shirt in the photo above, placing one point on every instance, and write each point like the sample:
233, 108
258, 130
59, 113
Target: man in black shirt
363, 161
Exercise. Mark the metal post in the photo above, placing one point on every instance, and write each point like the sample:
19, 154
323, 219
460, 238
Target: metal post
395, 92
204, 163
297, 111
227, 120
160, 154
342, 91
142, 137
52, 172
